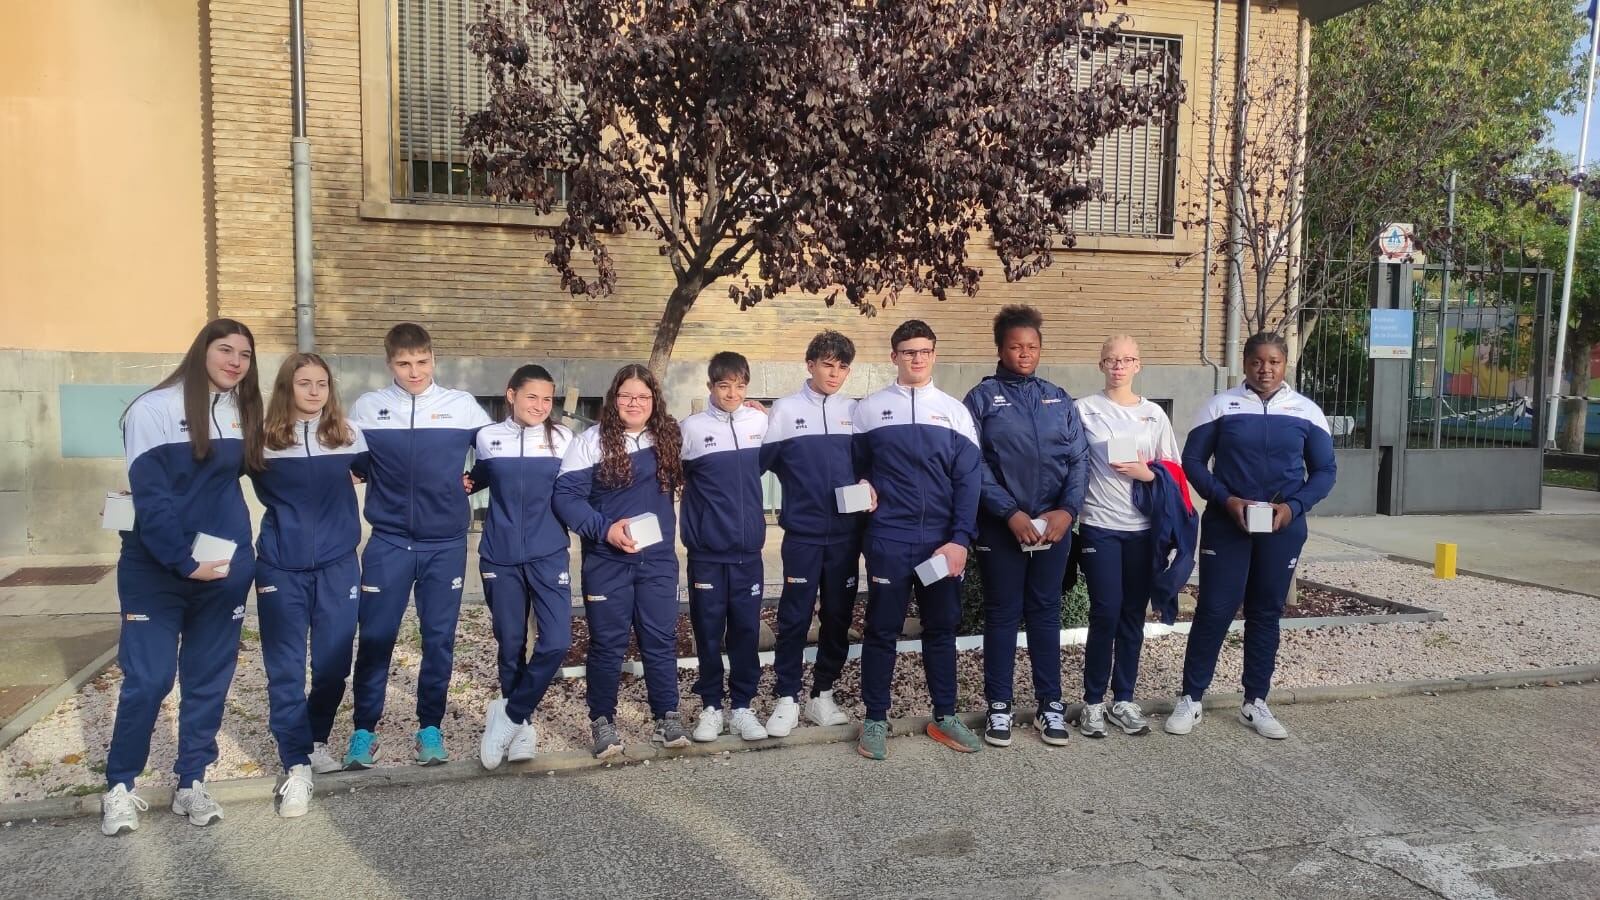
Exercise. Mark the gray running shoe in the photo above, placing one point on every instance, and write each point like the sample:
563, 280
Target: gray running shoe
1092, 720
669, 731
1127, 715
607, 743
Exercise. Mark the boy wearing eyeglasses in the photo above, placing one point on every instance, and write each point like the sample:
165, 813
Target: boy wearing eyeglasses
917, 447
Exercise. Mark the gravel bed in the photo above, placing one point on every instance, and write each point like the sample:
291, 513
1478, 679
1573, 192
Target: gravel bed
1489, 627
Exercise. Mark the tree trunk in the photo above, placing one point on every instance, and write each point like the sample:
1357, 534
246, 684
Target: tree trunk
1570, 438
678, 305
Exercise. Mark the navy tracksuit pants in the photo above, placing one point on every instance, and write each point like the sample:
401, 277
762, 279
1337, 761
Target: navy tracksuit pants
891, 582
1018, 588
389, 574
1119, 567
540, 589
323, 604
1236, 567
621, 597
810, 571
175, 627
725, 613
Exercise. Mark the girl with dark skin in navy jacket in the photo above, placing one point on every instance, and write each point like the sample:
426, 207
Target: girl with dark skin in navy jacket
188, 441
307, 576
1259, 444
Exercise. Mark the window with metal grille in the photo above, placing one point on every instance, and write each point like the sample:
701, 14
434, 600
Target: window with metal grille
1137, 167
441, 82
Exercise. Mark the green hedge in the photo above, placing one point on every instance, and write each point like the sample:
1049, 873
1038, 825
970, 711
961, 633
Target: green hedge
1074, 603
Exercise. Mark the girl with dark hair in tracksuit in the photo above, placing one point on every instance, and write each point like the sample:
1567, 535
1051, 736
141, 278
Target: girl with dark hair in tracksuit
1116, 542
1033, 469
188, 441
1259, 443
523, 560
306, 573
628, 465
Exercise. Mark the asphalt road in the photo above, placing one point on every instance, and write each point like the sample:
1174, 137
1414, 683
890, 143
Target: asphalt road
1483, 794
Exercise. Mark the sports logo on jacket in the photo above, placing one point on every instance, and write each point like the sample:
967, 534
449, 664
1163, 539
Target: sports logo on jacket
563, 579
383, 414
1052, 400
494, 444
183, 424
352, 592
1000, 400
238, 612
710, 441
799, 424
755, 589
887, 415
455, 583
437, 416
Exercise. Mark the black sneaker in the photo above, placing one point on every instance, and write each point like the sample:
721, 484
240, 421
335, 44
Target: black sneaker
1051, 723
998, 731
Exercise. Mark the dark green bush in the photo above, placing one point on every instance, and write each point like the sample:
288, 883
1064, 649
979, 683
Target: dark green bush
1074, 603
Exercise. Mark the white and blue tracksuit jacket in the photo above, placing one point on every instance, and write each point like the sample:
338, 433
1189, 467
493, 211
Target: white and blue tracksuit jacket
590, 508
1277, 450
418, 450
723, 520
312, 518
519, 465
1034, 448
919, 450
176, 496
808, 448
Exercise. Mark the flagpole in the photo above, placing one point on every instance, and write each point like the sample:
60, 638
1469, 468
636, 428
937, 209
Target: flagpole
1554, 400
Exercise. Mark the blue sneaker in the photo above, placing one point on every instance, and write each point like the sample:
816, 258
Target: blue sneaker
430, 747
363, 753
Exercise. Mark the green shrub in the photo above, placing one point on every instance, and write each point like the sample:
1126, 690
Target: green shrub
1074, 603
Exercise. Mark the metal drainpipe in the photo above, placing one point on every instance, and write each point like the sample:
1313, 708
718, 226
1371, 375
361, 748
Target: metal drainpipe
305, 300
1231, 354
1211, 196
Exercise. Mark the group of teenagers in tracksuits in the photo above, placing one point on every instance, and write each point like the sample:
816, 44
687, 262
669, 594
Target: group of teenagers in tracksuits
1007, 475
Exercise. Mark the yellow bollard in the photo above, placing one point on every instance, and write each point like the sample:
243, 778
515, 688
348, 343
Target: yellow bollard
1444, 560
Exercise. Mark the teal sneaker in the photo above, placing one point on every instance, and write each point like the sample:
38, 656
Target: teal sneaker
954, 733
874, 743
430, 747
363, 753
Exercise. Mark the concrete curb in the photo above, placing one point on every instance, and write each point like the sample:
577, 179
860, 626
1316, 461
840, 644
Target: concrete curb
260, 789
45, 704
1428, 564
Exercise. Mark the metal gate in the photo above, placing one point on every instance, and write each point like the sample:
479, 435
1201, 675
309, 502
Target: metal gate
1455, 428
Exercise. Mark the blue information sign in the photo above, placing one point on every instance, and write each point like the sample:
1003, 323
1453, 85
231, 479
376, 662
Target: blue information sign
1391, 334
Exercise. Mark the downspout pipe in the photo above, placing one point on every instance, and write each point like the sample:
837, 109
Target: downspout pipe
1211, 196
1231, 352
305, 299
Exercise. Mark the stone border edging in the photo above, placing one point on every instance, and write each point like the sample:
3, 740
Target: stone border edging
260, 789
45, 704
1427, 564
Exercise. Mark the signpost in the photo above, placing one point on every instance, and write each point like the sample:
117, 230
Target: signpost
1390, 334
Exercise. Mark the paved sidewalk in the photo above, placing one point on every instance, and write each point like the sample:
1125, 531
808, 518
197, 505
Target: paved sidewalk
1471, 795
1557, 546
48, 634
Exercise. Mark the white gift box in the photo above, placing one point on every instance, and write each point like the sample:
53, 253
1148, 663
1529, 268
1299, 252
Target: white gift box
117, 515
933, 568
645, 529
853, 498
1258, 517
1038, 525
1122, 448
209, 548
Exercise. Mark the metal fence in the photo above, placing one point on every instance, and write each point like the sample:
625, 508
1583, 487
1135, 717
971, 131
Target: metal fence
1477, 356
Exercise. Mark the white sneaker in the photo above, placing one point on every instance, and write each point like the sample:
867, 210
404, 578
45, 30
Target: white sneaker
1092, 720
1255, 714
823, 711
119, 811
194, 802
785, 716
744, 723
1185, 716
498, 733
525, 745
323, 762
294, 792
1157, 629
709, 726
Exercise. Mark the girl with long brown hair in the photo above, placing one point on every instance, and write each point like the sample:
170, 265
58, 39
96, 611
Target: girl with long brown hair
627, 467
306, 576
187, 441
